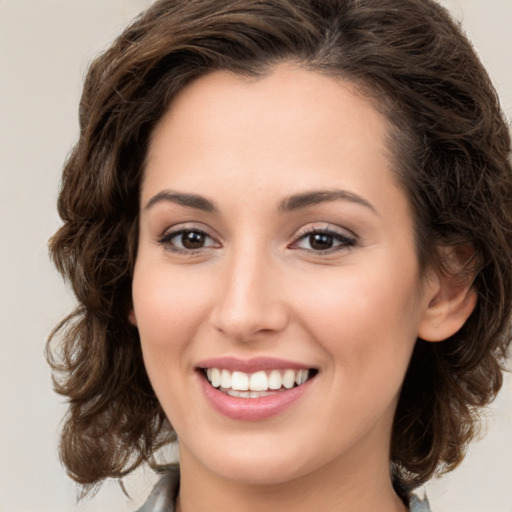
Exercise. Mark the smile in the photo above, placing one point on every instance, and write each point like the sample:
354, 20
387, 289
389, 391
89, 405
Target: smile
256, 389
257, 384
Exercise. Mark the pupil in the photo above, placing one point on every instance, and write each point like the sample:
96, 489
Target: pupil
320, 241
192, 240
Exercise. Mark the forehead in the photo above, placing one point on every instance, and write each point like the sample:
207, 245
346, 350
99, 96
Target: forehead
290, 117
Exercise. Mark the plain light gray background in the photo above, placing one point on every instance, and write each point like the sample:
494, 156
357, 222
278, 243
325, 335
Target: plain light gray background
45, 46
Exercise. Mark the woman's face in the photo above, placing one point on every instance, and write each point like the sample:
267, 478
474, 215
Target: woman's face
275, 245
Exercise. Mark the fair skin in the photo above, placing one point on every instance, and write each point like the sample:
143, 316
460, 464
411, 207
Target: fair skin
239, 258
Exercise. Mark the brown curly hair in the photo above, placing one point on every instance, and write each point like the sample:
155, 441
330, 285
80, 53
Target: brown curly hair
451, 150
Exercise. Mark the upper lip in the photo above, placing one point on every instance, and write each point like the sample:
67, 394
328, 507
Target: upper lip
251, 365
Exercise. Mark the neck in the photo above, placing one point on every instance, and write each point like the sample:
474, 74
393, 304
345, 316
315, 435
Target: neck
341, 486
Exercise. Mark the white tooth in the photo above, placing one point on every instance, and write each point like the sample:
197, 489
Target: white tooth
225, 379
254, 394
232, 392
209, 374
298, 377
305, 375
274, 379
240, 381
258, 381
215, 377
289, 379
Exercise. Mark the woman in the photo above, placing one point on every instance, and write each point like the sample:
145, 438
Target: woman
288, 226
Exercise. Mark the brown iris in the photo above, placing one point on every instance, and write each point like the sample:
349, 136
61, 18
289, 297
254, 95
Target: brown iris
192, 239
321, 241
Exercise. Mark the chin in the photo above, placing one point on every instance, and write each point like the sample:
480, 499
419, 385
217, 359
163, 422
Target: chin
256, 463
262, 472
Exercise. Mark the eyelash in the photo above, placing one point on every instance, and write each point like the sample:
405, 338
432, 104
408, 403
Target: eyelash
344, 242
167, 238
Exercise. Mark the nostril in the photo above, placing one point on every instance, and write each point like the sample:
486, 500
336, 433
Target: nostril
245, 326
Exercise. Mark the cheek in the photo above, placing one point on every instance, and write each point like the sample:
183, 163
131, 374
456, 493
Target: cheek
168, 307
366, 321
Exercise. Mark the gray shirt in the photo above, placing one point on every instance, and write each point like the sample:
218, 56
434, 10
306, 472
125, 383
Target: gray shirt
164, 494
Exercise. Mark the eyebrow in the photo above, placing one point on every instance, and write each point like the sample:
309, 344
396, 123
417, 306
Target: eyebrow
188, 200
306, 199
291, 203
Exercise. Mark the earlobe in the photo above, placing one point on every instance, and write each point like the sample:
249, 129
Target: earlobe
132, 318
452, 300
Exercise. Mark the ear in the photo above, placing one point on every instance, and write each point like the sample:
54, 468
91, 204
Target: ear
450, 296
132, 318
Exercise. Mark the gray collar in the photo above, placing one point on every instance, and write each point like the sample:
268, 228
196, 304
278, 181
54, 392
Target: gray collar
163, 496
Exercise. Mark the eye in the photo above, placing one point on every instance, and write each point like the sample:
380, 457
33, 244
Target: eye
187, 240
323, 241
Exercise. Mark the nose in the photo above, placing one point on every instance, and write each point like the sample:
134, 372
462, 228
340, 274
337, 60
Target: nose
250, 301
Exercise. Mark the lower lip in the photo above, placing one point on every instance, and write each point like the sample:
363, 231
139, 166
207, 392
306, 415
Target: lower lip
253, 409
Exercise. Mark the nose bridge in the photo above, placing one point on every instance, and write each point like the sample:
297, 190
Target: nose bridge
249, 300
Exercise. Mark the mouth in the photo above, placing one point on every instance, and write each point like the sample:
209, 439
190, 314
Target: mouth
257, 384
255, 389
